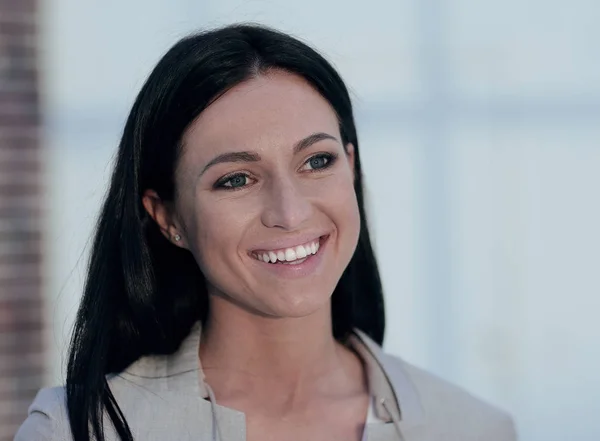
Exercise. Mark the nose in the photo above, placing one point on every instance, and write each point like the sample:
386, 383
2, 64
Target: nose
286, 205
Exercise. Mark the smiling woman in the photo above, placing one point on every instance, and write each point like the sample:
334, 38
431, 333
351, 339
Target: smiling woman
265, 179
232, 264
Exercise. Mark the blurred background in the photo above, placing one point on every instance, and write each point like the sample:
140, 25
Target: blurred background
479, 124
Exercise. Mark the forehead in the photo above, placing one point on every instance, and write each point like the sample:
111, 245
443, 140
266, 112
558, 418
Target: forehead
273, 109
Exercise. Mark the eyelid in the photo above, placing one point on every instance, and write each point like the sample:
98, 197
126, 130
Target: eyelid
219, 184
331, 159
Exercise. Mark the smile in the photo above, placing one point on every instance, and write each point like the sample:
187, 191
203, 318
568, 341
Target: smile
291, 255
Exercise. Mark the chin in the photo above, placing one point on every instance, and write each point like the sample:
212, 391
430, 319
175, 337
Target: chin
300, 305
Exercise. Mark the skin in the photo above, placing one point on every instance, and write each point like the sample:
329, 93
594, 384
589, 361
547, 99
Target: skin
267, 347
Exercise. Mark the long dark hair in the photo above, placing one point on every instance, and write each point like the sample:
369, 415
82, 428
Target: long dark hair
142, 294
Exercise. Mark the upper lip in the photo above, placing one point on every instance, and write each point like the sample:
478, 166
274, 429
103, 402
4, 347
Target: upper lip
287, 242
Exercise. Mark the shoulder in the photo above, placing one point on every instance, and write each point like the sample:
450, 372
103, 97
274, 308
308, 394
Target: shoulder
46, 417
449, 407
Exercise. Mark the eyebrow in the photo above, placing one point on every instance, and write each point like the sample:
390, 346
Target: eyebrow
255, 157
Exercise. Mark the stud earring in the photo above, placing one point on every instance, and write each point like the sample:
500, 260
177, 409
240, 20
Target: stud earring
177, 238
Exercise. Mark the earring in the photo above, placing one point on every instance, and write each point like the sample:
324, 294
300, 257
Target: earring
177, 238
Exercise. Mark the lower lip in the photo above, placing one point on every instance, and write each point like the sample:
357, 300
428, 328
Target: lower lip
305, 268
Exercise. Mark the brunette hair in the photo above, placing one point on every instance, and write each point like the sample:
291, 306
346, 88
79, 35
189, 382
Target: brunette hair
143, 294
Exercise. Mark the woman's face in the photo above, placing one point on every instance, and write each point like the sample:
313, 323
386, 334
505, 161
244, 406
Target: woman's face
265, 197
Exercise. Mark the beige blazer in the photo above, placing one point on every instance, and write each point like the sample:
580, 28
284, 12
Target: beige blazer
166, 398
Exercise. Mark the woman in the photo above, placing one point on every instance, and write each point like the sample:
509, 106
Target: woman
232, 291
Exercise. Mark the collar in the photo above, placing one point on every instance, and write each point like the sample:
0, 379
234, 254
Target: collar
389, 383
395, 397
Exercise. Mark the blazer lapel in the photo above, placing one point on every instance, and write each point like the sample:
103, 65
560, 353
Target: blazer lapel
390, 384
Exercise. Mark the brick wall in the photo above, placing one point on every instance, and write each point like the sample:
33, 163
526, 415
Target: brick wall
21, 341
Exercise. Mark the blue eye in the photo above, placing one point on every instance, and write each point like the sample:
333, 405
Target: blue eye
233, 182
237, 181
319, 162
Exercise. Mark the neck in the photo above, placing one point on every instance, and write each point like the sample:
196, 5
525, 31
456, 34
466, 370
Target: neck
295, 358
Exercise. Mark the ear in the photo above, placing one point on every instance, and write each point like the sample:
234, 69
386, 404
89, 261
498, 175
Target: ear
162, 214
351, 158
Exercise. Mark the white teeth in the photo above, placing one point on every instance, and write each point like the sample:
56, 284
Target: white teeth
290, 254
300, 252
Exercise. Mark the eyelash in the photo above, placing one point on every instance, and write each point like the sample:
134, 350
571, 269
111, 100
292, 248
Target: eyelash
329, 157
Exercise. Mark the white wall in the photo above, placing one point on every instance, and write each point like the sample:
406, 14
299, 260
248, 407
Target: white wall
479, 129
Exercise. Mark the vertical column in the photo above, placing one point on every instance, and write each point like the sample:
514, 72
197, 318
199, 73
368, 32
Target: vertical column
21, 315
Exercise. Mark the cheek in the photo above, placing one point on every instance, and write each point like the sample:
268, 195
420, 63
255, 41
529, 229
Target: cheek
216, 232
342, 206
351, 217
214, 240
